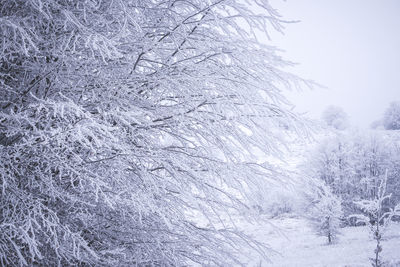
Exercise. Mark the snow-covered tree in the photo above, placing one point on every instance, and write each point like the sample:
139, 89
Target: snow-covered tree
352, 163
378, 217
335, 117
391, 117
127, 129
393, 183
324, 211
332, 162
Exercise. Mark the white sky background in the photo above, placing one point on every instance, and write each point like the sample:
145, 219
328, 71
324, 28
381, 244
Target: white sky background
350, 46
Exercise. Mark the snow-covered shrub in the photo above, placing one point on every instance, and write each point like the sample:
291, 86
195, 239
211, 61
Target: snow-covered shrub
391, 117
283, 202
377, 216
324, 211
335, 117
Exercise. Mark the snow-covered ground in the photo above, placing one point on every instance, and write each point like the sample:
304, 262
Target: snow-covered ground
297, 245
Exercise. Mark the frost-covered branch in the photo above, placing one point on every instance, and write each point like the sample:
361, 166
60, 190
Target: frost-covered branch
126, 128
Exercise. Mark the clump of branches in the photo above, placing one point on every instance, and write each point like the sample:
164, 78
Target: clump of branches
127, 129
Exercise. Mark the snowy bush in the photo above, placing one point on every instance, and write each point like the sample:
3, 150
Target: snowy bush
121, 129
324, 211
391, 117
335, 117
279, 203
377, 217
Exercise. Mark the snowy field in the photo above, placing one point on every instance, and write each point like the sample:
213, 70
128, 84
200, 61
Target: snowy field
296, 244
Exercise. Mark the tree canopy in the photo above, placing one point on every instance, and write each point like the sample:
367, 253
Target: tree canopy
127, 129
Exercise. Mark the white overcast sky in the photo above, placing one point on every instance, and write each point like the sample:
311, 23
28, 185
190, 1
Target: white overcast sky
350, 46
